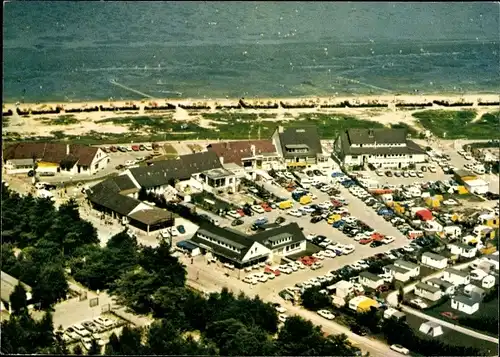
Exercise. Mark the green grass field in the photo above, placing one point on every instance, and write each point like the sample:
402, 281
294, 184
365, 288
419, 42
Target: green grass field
459, 124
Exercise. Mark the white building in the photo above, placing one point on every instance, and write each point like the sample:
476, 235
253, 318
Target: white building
433, 260
69, 159
245, 250
463, 250
456, 277
464, 304
370, 280
428, 292
413, 268
477, 186
341, 289
398, 272
383, 148
446, 287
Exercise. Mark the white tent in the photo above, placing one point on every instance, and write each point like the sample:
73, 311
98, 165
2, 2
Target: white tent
432, 329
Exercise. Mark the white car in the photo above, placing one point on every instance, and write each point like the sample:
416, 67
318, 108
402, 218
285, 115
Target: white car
318, 256
432, 169
363, 264
282, 317
262, 278
82, 331
450, 202
468, 156
326, 314
105, 322
313, 196
258, 209
400, 349
412, 173
288, 175
379, 173
295, 213
419, 302
250, 279
408, 248
388, 240
329, 254
316, 265
355, 266
71, 333
348, 249
130, 162
360, 236
233, 214
307, 209
311, 236
326, 188
325, 205
420, 174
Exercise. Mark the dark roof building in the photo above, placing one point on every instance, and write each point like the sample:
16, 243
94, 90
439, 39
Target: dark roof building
165, 172
52, 152
235, 151
8, 283
242, 249
376, 144
298, 141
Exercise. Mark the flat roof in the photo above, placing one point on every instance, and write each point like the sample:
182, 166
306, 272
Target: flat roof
370, 276
457, 272
8, 285
215, 174
427, 287
434, 256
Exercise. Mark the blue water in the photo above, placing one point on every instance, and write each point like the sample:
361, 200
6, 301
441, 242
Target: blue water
71, 50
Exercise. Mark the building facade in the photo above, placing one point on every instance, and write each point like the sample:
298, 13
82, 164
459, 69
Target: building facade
382, 148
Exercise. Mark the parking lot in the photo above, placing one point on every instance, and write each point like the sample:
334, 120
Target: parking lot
216, 275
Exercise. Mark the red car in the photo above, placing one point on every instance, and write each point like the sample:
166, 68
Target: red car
266, 207
240, 212
377, 236
113, 149
366, 241
449, 315
136, 147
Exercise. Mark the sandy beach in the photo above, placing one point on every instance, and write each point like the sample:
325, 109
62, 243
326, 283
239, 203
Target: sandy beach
111, 122
212, 102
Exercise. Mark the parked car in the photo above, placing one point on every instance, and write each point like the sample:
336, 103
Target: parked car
237, 222
72, 334
258, 209
359, 330
80, 330
400, 349
295, 213
105, 322
326, 314
91, 326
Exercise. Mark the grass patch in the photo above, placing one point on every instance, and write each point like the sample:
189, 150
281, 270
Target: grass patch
411, 130
451, 124
170, 151
165, 129
5, 122
195, 147
67, 119
230, 117
331, 125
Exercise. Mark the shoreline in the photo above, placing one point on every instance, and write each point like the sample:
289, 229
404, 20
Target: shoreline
212, 102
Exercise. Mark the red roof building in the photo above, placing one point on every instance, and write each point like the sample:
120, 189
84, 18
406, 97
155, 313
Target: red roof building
424, 215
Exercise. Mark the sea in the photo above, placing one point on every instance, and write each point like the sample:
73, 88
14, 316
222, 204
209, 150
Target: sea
96, 50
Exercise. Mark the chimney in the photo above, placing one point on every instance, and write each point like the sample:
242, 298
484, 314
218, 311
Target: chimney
228, 145
67, 149
280, 129
370, 133
252, 149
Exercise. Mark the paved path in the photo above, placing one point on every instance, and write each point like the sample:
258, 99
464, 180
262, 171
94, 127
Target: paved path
392, 299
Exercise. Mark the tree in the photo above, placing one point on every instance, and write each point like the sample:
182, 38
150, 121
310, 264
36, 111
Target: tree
77, 350
113, 346
130, 341
18, 299
312, 299
401, 295
51, 286
299, 337
94, 349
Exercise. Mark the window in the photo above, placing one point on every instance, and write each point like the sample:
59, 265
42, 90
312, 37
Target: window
96, 166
